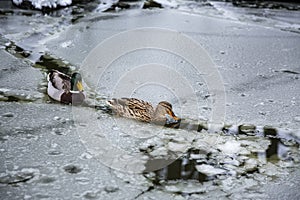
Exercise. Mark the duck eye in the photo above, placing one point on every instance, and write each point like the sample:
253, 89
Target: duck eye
169, 112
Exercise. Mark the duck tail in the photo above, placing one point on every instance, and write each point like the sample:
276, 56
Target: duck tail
50, 75
110, 102
114, 102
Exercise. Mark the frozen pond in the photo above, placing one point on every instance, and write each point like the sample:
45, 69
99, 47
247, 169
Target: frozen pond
54, 151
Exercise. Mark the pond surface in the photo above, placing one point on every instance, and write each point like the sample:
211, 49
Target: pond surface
59, 151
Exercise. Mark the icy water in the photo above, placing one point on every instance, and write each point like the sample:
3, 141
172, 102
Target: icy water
49, 150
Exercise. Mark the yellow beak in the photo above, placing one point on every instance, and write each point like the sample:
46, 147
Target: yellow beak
79, 86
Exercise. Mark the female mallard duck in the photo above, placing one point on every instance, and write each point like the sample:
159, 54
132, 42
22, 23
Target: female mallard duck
64, 88
143, 111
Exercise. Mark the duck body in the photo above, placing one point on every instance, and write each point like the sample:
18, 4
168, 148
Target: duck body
142, 110
65, 89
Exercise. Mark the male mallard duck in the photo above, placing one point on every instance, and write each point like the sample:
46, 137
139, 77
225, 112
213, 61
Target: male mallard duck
64, 88
143, 111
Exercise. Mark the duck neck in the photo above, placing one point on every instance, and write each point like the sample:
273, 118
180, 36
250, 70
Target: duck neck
157, 115
73, 84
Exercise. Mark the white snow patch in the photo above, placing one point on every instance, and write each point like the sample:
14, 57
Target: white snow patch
177, 147
66, 44
230, 147
209, 170
168, 3
38, 4
105, 4
18, 2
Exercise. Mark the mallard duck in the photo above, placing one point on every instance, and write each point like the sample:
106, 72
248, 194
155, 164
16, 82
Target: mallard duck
143, 111
65, 89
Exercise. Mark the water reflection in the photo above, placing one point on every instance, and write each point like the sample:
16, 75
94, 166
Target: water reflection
185, 168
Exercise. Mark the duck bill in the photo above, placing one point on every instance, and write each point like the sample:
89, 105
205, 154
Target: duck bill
177, 119
172, 121
79, 86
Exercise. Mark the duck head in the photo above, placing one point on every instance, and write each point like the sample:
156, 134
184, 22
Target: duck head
164, 112
76, 82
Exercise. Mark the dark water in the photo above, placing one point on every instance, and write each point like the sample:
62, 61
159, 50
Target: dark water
275, 4
184, 168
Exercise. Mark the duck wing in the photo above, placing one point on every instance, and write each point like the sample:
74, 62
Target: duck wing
59, 80
134, 103
131, 103
132, 108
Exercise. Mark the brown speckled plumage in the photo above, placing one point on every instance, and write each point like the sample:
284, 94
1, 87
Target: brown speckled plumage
60, 81
142, 110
